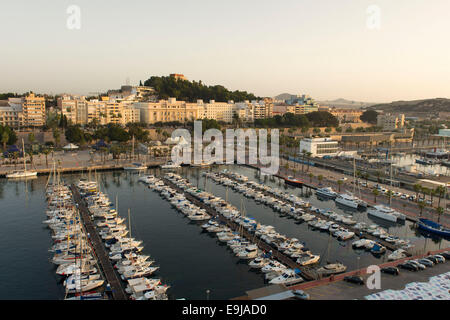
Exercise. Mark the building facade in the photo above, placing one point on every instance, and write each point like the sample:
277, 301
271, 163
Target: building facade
390, 122
28, 111
319, 147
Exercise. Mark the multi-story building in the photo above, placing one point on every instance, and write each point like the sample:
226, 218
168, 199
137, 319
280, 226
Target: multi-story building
346, 115
78, 110
220, 111
169, 110
28, 111
178, 76
11, 114
319, 147
301, 104
390, 122
33, 109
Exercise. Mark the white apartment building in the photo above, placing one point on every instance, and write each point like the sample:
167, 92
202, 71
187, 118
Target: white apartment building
319, 147
390, 122
220, 111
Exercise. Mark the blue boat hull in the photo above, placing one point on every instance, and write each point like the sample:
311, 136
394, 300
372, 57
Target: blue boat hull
433, 227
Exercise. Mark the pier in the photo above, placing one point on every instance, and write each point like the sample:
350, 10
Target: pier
113, 280
358, 233
306, 272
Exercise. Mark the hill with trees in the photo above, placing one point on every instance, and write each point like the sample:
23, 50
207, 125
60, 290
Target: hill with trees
166, 87
426, 105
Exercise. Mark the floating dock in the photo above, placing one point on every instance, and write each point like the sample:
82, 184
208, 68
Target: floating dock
113, 280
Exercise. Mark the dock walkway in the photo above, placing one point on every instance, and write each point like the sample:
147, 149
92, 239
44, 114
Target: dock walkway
306, 272
358, 233
118, 292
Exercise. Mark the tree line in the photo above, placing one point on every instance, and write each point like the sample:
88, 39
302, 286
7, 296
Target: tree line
185, 90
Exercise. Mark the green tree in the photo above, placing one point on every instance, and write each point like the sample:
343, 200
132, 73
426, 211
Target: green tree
340, 183
421, 205
5, 139
56, 136
320, 178
417, 188
311, 176
375, 193
439, 212
369, 116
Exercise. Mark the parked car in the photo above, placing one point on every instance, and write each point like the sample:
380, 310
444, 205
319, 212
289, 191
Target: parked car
364, 184
412, 198
391, 270
426, 262
433, 259
419, 265
446, 254
300, 294
397, 194
408, 266
404, 196
354, 279
439, 258
429, 202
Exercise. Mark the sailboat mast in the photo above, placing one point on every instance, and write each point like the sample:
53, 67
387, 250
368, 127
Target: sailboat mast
129, 222
24, 160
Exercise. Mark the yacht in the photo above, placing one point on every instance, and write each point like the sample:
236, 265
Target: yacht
386, 213
333, 268
289, 277
170, 165
293, 182
350, 201
307, 259
136, 166
25, 173
326, 192
397, 254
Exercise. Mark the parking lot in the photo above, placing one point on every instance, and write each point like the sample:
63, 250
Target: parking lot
342, 290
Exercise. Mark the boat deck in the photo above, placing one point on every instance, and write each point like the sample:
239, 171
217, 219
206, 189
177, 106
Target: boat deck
358, 234
306, 272
113, 280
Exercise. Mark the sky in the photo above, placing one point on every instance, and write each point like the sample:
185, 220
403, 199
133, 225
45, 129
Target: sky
374, 51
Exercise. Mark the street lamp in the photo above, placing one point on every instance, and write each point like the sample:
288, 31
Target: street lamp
207, 294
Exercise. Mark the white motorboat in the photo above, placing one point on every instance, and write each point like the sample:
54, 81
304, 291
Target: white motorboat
289, 277
326, 192
349, 201
332, 268
397, 254
170, 165
136, 166
307, 259
386, 213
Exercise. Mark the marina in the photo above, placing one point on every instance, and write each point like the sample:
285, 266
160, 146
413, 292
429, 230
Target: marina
169, 236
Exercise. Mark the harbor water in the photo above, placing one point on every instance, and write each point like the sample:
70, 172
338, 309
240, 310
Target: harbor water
191, 261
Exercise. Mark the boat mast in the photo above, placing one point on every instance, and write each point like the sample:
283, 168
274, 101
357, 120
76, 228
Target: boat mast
24, 160
129, 222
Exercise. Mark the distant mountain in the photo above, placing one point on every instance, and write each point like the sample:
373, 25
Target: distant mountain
285, 96
344, 103
426, 105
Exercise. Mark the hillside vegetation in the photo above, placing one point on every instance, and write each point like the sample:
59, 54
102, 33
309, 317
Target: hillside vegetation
184, 90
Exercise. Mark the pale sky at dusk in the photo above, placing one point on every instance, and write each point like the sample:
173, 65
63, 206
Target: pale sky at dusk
319, 47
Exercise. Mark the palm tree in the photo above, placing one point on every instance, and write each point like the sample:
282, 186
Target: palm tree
303, 158
440, 192
308, 156
389, 195
421, 205
417, 188
311, 176
340, 183
46, 151
439, 212
320, 178
5, 139
376, 193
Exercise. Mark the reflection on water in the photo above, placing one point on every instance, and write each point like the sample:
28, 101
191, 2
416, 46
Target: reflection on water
191, 260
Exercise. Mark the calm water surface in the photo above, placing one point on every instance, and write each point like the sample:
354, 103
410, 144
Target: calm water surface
190, 260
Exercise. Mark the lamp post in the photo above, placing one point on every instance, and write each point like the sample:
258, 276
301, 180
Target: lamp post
207, 294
